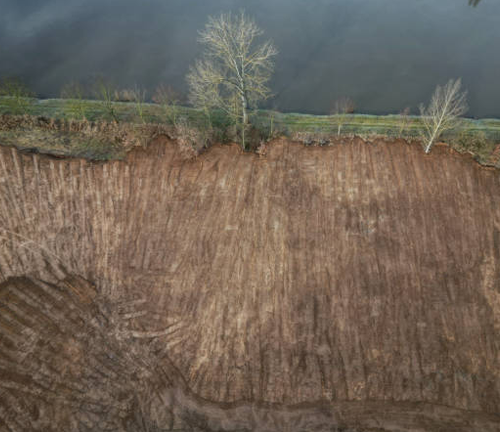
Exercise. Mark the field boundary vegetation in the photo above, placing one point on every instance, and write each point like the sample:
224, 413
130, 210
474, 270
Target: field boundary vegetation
102, 137
98, 120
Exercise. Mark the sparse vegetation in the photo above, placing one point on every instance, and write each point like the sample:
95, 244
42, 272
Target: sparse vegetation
341, 109
189, 139
106, 92
91, 140
404, 122
266, 125
476, 144
73, 94
312, 138
139, 98
17, 95
124, 95
168, 99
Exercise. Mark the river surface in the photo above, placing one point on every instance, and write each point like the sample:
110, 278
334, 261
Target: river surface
384, 54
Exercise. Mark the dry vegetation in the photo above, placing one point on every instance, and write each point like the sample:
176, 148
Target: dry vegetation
359, 279
93, 140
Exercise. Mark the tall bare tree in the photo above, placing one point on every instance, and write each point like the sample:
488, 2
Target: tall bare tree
234, 71
341, 109
447, 105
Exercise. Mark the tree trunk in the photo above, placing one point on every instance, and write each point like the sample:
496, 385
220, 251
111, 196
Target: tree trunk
244, 121
431, 142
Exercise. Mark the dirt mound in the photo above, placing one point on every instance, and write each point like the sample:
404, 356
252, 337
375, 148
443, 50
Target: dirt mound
366, 273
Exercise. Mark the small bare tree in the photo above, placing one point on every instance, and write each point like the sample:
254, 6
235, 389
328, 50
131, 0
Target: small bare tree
75, 104
139, 98
168, 99
448, 103
404, 121
341, 108
233, 73
105, 91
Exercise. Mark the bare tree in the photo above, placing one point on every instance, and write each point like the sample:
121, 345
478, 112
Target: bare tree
139, 98
233, 73
341, 109
404, 121
448, 103
75, 103
168, 99
105, 91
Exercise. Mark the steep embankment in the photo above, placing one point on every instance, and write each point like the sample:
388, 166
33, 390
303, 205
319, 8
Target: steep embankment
358, 272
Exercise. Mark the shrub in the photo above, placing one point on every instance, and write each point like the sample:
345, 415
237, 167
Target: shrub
475, 143
18, 95
168, 99
75, 105
106, 92
190, 139
93, 140
312, 138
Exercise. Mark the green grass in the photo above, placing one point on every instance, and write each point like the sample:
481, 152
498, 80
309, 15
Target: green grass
363, 124
95, 110
476, 136
290, 122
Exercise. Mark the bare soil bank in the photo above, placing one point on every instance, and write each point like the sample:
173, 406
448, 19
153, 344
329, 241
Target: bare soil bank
365, 274
67, 365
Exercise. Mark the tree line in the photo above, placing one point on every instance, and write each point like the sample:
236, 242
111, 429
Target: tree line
232, 77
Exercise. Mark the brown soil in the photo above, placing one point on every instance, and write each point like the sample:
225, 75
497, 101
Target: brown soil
359, 283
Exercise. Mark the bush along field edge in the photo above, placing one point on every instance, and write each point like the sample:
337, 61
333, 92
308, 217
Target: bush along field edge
96, 130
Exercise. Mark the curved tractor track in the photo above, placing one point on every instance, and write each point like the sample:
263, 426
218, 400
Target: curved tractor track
354, 287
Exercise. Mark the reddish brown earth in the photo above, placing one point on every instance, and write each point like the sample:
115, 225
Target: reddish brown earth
353, 287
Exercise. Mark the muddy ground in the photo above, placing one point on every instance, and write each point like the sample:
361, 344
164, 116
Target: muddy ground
358, 282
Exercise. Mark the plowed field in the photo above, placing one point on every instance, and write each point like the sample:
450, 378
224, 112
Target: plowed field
363, 277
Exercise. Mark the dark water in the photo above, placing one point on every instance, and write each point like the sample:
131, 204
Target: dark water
384, 54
